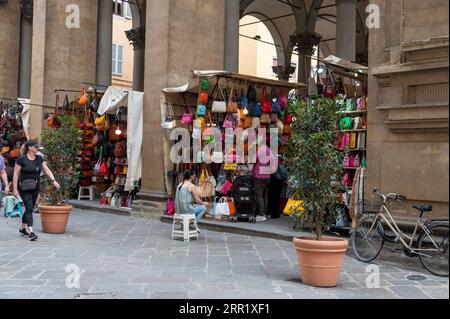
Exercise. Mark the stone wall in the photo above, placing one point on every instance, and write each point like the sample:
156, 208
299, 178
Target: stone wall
9, 53
408, 150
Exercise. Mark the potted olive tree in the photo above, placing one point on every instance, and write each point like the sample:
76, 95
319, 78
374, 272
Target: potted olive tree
314, 164
61, 147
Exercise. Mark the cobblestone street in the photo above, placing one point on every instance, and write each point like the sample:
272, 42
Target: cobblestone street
129, 258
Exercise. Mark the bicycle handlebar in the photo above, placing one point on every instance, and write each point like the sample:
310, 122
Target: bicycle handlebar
393, 196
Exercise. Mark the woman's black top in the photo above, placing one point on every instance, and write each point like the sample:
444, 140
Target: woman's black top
30, 169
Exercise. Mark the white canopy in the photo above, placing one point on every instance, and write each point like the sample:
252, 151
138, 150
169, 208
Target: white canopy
26, 116
115, 98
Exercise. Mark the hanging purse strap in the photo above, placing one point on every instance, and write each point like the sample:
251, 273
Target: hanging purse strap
56, 113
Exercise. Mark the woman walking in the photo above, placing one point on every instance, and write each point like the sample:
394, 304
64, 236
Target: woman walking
26, 182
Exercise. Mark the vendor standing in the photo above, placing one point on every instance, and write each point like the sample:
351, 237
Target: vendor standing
27, 174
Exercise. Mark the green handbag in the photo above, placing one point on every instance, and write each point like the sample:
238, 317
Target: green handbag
204, 84
350, 105
346, 123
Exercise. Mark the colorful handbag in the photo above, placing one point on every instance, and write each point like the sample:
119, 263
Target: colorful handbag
84, 98
288, 119
346, 123
361, 103
293, 205
232, 106
187, 118
204, 85
350, 105
266, 104
255, 109
226, 187
252, 95
201, 110
244, 100
276, 107
353, 137
219, 106
203, 98
53, 120
283, 99
344, 140
273, 117
256, 123
265, 118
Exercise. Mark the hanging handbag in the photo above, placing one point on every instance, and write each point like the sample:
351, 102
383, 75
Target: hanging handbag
217, 157
361, 141
203, 98
222, 208
219, 106
276, 107
53, 120
288, 119
344, 140
84, 98
187, 118
353, 137
243, 100
229, 121
265, 118
346, 123
208, 133
273, 117
226, 187
252, 94
287, 129
279, 125
255, 109
169, 122
256, 123
266, 104
361, 103
201, 110
206, 186
350, 105
282, 99
357, 123
294, 205
232, 106
247, 122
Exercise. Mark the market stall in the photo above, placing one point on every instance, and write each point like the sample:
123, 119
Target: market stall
218, 101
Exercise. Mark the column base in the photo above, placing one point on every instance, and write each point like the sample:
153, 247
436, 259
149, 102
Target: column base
150, 205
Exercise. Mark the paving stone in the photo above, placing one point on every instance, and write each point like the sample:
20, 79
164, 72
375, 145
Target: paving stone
409, 292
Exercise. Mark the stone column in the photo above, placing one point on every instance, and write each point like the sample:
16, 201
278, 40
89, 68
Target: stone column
26, 43
284, 72
180, 36
104, 42
305, 43
62, 56
232, 15
137, 38
9, 53
346, 29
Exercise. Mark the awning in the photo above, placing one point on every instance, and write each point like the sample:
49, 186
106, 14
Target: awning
346, 64
26, 116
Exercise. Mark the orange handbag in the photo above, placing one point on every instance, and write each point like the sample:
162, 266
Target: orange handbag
232, 106
53, 120
231, 206
203, 98
84, 98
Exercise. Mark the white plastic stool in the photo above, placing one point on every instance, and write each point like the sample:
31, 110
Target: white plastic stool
87, 192
185, 232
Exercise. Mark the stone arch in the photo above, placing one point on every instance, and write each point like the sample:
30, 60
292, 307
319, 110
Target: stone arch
282, 50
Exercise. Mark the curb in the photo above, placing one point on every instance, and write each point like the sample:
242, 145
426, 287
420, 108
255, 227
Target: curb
103, 209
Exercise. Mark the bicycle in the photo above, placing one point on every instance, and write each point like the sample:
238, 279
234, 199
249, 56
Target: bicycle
369, 237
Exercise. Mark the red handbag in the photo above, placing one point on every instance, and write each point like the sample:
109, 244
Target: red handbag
266, 104
203, 98
103, 168
288, 119
283, 99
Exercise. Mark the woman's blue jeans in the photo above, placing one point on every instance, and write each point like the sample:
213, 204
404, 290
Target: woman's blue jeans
199, 211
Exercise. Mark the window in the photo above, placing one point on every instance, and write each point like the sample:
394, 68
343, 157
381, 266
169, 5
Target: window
117, 59
127, 10
122, 8
118, 7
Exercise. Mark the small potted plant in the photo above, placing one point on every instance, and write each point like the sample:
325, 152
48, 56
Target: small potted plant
61, 147
314, 164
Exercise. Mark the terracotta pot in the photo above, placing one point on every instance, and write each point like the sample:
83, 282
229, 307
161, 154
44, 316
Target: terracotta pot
54, 218
320, 261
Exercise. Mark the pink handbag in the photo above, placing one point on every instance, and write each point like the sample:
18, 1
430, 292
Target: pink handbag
226, 187
361, 103
187, 118
228, 122
346, 180
170, 207
283, 99
346, 162
345, 140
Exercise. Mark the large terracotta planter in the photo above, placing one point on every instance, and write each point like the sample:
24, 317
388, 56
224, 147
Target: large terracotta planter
54, 218
320, 261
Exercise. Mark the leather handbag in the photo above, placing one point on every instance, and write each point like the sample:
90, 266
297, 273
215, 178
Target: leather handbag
288, 119
276, 107
247, 122
252, 95
283, 99
273, 117
187, 118
265, 118
219, 106
53, 120
84, 98
255, 109
266, 104
203, 97
361, 103
244, 100
256, 123
232, 106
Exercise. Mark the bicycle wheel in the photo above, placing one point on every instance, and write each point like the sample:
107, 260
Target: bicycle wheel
436, 262
367, 241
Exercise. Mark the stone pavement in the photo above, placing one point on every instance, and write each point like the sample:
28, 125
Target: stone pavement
129, 258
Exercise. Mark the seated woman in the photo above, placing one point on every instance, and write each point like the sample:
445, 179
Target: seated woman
187, 199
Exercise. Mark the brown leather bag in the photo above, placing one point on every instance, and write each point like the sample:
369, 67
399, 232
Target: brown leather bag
53, 120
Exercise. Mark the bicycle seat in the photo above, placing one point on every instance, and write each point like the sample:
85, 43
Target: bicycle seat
424, 208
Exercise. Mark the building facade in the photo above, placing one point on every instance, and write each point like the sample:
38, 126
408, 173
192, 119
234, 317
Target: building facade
408, 58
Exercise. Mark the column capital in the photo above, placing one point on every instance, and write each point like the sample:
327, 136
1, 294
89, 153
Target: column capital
284, 72
305, 42
136, 37
26, 8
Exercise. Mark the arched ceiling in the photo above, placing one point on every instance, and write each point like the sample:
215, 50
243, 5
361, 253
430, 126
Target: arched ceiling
305, 15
